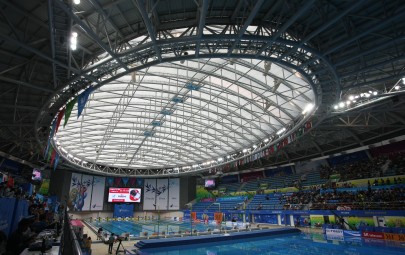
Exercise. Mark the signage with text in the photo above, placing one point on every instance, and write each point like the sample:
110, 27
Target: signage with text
124, 195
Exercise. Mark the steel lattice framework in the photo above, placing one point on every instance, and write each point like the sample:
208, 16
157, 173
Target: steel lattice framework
324, 51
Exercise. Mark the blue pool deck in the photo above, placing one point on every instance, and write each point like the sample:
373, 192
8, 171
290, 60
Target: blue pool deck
169, 242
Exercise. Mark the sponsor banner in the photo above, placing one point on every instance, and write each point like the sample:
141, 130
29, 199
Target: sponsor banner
124, 195
394, 237
123, 210
372, 235
351, 233
149, 196
230, 198
162, 187
97, 197
334, 232
174, 194
87, 186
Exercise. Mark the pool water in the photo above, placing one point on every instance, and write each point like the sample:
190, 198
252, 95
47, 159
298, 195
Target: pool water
137, 228
304, 244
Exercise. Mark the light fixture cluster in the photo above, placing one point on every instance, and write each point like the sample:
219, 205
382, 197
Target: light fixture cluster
366, 97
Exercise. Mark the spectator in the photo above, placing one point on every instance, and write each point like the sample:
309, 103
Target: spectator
21, 238
87, 245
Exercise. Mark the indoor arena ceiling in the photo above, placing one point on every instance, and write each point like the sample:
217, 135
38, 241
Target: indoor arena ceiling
182, 87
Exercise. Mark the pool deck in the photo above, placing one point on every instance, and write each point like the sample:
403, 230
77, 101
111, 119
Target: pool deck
168, 242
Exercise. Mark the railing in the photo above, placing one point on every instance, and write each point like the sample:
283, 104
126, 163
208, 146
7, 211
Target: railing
69, 243
397, 205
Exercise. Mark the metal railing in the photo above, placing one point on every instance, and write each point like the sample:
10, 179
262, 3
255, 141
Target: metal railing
69, 243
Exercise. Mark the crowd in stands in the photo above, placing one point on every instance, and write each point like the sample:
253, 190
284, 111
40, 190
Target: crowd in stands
398, 162
389, 198
356, 170
41, 221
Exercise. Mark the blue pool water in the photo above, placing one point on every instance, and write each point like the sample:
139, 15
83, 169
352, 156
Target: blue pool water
137, 228
304, 244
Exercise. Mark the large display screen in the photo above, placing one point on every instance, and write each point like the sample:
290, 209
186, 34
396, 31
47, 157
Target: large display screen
124, 195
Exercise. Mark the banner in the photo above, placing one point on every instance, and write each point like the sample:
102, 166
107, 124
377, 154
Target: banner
68, 110
6, 214
162, 191
97, 198
75, 198
110, 181
174, 194
125, 181
43, 190
123, 210
117, 181
149, 199
82, 100
85, 192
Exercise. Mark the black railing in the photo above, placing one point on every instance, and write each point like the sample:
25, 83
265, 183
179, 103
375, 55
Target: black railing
69, 244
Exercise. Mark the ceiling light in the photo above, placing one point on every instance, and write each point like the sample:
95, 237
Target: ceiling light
348, 102
351, 97
308, 108
335, 106
341, 104
220, 159
76, 1
403, 80
254, 146
397, 87
375, 93
244, 150
266, 140
280, 131
228, 156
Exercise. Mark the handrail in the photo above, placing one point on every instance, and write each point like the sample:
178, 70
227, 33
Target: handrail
69, 243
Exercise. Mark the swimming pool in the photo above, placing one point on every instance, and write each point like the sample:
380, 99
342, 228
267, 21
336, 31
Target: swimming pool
290, 244
151, 227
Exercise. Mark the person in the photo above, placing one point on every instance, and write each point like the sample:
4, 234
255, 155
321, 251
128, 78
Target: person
99, 233
259, 207
87, 245
111, 242
21, 238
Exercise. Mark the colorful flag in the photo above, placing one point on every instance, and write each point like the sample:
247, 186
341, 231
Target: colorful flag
56, 161
59, 119
82, 100
125, 180
68, 110
53, 156
48, 146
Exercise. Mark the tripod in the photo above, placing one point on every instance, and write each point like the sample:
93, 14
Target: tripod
119, 245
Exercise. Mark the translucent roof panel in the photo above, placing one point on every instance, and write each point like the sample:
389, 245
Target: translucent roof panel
184, 113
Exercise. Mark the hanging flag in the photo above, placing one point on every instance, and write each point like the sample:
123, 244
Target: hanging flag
56, 161
117, 181
53, 157
48, 146
110, 181
68, 110
125, 180
132, 181
82, 100
59, 119
50, 153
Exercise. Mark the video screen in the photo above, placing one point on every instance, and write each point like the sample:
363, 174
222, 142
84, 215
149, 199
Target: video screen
36, 175
210, 183
124, 195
